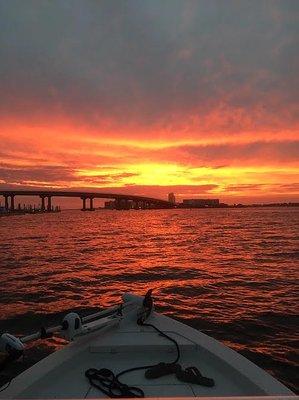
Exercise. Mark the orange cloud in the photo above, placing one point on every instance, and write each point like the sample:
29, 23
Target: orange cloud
203, 106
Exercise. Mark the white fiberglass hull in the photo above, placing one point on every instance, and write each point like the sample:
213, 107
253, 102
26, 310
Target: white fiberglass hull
126, 345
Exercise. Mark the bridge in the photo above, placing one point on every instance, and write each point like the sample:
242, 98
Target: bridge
122, 201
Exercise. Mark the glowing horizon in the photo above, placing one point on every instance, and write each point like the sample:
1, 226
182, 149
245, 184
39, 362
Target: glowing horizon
148, 106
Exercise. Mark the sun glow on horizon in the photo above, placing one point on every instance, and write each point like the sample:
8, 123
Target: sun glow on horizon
147, 105
34, 157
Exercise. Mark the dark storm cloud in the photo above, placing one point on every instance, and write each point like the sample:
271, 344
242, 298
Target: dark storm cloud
223, 155
275, 188
107, 179
257, 153
149, 62
10, 173
10, 155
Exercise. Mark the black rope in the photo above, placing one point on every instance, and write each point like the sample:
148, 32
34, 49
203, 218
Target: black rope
169, 338
109, 384
105, 380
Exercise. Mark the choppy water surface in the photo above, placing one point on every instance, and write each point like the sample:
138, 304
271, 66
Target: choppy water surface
230, 272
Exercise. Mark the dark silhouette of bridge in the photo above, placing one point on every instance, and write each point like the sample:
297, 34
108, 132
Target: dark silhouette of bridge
121, 200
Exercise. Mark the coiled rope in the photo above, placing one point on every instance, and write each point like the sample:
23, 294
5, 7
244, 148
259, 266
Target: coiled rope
108, 383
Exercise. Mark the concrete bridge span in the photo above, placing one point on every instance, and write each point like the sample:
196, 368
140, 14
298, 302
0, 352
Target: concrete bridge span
145, 202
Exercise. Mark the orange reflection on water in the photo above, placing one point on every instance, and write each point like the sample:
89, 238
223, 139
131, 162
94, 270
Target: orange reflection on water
229, 272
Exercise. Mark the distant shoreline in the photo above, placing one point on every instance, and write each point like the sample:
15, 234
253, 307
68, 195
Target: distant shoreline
227, 206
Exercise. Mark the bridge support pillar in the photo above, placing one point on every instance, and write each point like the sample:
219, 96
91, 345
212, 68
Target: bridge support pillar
6, 203
117, 204
128, 205
12, 203
84, 204
91, 204
43, 207
49, 206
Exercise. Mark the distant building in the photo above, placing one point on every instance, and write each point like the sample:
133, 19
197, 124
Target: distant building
171, 198
199, 203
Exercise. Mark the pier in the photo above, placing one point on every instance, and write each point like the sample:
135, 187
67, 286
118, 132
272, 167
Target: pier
121, 201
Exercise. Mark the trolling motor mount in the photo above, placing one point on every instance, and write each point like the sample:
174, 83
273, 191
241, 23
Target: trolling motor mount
71, 326
146, 309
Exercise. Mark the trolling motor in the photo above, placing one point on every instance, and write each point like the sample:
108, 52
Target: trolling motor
12, 346
73, 325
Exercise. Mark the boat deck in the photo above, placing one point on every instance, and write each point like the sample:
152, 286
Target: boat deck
62, 375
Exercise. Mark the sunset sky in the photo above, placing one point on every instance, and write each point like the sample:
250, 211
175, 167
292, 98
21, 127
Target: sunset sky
196, 97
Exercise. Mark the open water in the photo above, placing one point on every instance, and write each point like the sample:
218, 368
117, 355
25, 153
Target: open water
231, 273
